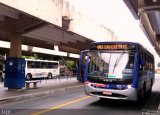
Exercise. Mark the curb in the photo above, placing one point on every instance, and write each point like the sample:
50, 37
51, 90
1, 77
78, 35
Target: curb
39, 94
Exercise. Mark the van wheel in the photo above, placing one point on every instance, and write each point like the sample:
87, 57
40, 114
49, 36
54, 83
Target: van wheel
29, 76
50, 75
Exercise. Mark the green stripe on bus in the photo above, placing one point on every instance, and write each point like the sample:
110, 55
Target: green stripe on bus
111, 76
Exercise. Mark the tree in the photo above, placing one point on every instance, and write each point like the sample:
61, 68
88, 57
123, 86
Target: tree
70, 64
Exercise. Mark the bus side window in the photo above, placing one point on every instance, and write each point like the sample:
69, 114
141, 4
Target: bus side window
37, 64
146, 61
50, 65
55, 65
30, 64
141, 62
43, 64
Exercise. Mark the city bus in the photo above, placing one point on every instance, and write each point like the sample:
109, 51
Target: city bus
46, 69
119, 70
81, 65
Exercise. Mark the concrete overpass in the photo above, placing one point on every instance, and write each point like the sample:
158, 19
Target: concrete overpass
148, 13
47, 23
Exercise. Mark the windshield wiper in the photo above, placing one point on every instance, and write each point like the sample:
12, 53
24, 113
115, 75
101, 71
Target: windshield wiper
117, 61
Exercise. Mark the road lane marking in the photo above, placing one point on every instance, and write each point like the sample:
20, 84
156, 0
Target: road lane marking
61, 105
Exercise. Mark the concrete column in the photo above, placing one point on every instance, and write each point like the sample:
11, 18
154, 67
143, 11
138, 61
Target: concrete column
15, 46
15, 65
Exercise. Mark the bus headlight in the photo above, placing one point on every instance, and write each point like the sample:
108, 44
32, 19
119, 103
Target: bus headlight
129, 86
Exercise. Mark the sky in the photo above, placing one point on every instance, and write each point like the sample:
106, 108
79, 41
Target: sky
114, 14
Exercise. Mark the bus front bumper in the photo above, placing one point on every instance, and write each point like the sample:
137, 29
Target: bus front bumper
127, 94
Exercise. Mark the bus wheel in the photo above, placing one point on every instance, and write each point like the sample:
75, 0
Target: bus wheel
150, 90
143, 92
49, 75
29, 76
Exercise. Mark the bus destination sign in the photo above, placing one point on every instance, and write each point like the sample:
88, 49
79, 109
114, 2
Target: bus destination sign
112, 47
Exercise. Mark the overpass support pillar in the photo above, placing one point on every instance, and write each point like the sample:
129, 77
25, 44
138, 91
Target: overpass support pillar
15, 46
15, 65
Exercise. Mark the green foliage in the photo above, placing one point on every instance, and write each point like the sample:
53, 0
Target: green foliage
70, 64
31, 57
28, 57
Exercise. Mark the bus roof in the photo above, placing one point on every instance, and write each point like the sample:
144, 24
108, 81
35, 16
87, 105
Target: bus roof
40, 60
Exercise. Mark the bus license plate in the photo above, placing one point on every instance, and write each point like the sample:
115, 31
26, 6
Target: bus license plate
107, 93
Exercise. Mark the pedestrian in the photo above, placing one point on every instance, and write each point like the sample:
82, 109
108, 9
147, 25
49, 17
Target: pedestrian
1, 76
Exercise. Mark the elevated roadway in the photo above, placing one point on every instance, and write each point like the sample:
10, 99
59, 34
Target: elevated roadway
47, 23
148, 13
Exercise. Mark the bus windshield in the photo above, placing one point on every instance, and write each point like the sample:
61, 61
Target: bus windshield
111, 64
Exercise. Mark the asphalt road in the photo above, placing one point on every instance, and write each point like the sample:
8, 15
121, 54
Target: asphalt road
77, 103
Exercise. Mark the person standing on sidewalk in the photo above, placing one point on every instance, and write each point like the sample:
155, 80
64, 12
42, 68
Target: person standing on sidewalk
1, 73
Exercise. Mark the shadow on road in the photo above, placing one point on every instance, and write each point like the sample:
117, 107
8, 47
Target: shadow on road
151, 102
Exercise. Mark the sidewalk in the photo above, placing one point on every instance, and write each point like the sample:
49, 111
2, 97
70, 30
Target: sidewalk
45, 87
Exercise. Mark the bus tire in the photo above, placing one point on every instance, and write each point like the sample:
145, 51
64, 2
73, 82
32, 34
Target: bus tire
141, 93
150, 90
29, 76
50, 76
